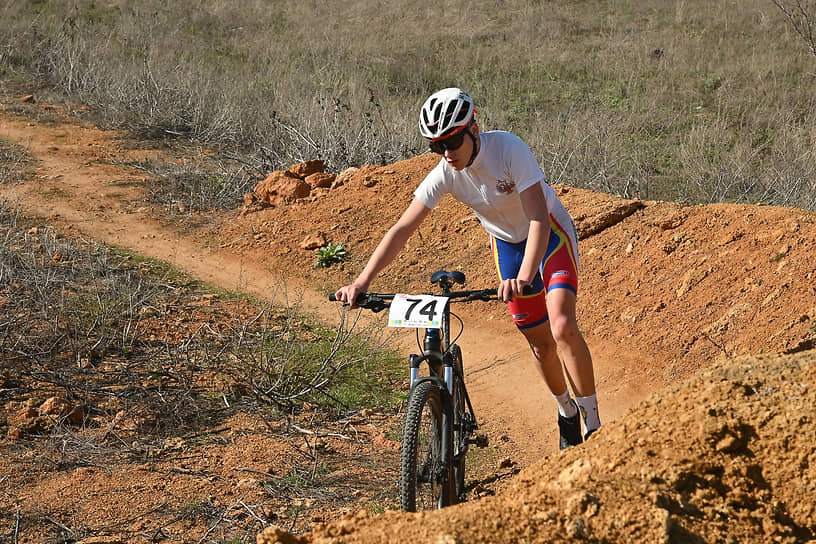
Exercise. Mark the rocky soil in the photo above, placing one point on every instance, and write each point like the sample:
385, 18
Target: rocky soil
701, 320
726, 456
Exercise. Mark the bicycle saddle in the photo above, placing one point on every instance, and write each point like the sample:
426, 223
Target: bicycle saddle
448, 277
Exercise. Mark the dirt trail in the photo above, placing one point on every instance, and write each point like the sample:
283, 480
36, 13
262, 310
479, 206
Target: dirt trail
667, 290
78, 189
634, 262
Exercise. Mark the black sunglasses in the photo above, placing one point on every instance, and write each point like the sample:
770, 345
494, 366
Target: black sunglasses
451, 143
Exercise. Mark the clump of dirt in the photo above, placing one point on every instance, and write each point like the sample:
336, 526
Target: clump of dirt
724, 457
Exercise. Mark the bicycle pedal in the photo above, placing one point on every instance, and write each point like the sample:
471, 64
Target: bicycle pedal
480, 441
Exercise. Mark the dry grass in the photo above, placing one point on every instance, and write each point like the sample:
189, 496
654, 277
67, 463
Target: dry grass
14, 162
685, 100
81, 319
147, 360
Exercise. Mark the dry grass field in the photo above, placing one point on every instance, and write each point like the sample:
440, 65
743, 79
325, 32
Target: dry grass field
686, 100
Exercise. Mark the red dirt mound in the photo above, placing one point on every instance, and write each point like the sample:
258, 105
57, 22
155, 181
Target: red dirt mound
665, 290
724, 457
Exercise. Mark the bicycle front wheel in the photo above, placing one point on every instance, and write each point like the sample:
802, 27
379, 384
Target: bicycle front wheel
423, 482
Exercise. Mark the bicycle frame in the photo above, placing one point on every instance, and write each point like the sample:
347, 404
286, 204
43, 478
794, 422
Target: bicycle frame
446, 281
454, 445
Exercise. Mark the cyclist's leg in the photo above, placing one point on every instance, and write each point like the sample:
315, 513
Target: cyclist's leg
529, 312
560, 273
577, 358
558, 281
543, 346
564, 326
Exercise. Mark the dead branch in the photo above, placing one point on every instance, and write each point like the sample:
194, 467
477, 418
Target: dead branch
802, 17
222, 516
264, 523
316, 434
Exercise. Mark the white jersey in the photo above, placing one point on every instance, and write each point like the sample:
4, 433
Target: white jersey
504, 168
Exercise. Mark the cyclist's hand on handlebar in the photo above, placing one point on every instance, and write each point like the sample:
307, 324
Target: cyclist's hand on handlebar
511, 288
349, 294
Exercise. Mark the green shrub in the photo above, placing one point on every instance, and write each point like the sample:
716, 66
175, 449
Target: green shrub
330, 254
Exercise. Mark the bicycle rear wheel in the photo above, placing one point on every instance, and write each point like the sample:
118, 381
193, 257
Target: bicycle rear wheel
423, 482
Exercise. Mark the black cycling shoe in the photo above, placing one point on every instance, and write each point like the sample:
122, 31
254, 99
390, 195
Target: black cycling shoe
588, 434
569, 429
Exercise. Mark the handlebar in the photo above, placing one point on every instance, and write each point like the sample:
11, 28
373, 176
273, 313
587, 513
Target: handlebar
379, 301
371, 301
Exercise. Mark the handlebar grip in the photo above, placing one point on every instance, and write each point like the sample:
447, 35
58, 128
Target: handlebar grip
525, 291
361, 298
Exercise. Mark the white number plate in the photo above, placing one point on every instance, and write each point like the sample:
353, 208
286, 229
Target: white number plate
417, 311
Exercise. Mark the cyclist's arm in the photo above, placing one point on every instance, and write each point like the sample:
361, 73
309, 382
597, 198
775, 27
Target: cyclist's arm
538, 214
387, 250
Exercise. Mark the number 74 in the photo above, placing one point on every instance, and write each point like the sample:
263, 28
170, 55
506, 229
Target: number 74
429, 310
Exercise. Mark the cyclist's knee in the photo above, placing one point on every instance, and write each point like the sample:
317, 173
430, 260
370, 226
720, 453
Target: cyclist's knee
540, 339
564, 328
542, 349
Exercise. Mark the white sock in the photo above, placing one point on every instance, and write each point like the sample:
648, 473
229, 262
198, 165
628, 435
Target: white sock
566, 406
589, 411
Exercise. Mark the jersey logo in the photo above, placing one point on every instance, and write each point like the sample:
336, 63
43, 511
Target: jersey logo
505, 187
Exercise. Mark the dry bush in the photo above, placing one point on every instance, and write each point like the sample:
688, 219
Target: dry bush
286, 365
60, 297
113, 333
73, 322
14, 162
802, 16
203, 182
152, 364
615, 97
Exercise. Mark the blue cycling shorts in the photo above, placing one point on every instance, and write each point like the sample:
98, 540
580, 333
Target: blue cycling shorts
558, 270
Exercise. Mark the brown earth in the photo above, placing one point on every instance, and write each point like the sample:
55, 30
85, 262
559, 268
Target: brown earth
674, 300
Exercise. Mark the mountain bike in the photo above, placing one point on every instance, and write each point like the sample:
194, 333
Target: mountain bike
440, 423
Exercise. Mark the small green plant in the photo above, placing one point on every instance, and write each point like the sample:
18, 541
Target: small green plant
711, 84
329, 254
375, 508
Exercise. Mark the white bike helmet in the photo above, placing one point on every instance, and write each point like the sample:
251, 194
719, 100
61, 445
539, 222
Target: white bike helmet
445, 112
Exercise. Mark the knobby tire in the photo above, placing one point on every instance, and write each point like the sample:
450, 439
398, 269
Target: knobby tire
423, 482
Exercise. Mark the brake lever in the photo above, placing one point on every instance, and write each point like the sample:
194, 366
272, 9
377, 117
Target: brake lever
377, 304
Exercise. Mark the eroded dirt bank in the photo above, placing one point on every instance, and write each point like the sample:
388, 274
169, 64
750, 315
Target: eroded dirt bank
727, 456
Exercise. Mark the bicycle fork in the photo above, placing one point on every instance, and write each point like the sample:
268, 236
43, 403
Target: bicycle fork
447, 370
446, 381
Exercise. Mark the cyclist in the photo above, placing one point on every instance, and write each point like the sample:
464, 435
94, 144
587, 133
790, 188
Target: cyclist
532, 237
